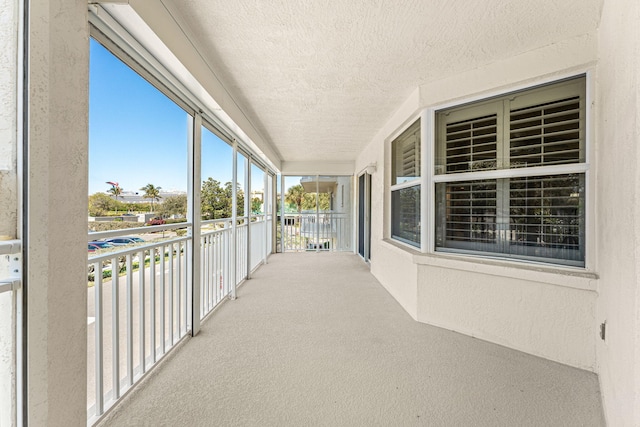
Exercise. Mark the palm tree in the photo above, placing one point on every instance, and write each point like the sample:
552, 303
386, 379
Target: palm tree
151, 192
115, 191
295, 195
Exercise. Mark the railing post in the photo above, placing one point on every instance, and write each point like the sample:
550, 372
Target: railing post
247, 211
195, 218
282, 248
234, 223
317, 214
265, 197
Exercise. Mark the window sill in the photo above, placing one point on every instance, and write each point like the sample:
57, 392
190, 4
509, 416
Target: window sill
404, 247
556, 275
569, 277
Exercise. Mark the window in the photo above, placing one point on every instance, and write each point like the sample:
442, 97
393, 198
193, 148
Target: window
510, 175
405, 186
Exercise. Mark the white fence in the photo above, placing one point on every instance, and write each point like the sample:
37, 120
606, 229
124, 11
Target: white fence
140, 296
323, 231
138, 308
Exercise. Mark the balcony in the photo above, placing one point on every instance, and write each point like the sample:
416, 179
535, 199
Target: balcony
314, 339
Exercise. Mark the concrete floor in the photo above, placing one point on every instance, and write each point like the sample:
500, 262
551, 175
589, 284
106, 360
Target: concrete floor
314, 339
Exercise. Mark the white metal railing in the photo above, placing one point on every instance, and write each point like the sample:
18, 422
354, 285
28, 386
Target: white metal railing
269, 234
10, 313
215, 264
258, 241
322, 231
241, 249
140, 296
138, 308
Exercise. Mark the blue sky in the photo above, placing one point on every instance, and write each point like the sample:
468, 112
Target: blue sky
139, 136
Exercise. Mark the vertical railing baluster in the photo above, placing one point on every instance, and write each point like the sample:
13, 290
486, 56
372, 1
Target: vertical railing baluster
152, 304
115, 328
171, 260
141, 303
179, 287
216, 269
188, 307
129, 321
97, 277
226, 273
162, 301
211, 280
203, 274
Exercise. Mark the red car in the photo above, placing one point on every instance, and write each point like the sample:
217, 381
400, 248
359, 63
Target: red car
157, 221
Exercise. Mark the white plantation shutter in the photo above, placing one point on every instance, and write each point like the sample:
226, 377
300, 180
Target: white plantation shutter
405, 186
405, 155
472, 144
545, 134
537, 216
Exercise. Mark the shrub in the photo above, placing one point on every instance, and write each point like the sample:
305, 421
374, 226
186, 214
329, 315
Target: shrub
112, 225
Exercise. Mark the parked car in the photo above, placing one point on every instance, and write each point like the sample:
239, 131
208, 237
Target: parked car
94, 246
157, 221
121, 241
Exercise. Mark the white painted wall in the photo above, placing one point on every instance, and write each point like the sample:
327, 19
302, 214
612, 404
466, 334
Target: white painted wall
618, 208
550, 313
391, 263
536, 311
57, 189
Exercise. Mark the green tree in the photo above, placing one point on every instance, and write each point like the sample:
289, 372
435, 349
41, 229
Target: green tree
173, 205
240, 197
100, 204
256, 205
217, 201
295, 196
115, 191
309, 202
151, 192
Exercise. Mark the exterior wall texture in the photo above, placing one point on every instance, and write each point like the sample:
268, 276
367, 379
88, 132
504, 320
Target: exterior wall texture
618, 205
510, 306
503, 303
56, 279
8, 190
550, 312
8, 119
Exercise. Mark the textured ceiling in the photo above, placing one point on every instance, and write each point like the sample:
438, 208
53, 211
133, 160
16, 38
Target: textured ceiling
319, 78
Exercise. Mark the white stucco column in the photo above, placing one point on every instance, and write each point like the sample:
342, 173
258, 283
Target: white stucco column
56, 276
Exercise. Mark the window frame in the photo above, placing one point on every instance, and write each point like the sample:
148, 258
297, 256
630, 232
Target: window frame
584, 167
417, 181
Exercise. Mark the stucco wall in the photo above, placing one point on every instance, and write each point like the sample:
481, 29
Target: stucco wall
8, 193
56, 277
390, 264
552, 314
8, 119
397, 273
543, 313
618, 205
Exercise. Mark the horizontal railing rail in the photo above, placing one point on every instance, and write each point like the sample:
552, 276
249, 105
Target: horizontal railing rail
108, 253
10, 247
97, 235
